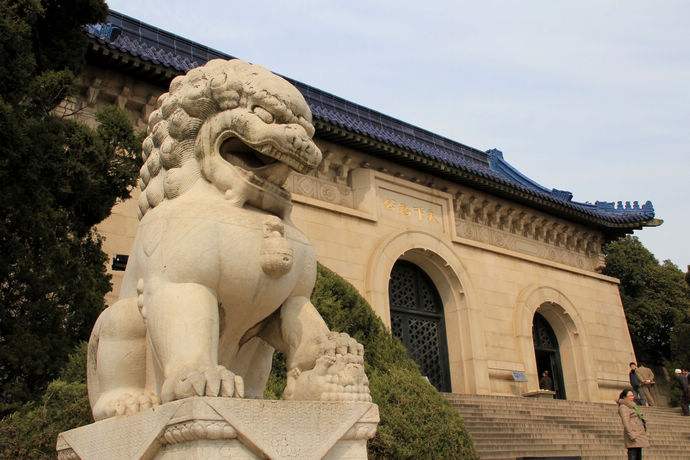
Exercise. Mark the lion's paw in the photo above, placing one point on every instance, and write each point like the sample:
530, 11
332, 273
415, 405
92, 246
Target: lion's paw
126, 401
212, 381
338, 373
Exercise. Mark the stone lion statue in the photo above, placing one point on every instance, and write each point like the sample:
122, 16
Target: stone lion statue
219, 277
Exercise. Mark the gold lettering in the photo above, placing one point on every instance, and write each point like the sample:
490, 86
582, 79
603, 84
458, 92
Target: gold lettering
389, 204
404, 209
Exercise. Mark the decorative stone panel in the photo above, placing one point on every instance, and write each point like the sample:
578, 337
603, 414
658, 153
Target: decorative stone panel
215, 428
483, 218
321, 189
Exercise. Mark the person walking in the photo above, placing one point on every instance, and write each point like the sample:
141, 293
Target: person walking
646, 377
634, 424
682, 380
635, 383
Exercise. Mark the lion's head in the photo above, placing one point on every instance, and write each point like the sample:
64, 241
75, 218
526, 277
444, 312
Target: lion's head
233, 123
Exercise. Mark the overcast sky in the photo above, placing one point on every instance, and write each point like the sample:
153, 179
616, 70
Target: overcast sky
587, 96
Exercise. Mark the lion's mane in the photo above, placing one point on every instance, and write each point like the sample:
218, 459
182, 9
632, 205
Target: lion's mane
171, 162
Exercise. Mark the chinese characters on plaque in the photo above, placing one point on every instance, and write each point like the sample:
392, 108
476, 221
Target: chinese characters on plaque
415, 212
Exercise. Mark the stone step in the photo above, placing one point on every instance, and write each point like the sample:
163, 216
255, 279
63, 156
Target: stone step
564, 451
527, 433
558, 405
568, 428
611, 424
517, 416
510, 428
556, 450
552, 403
584, 445
487, 436
501, 438
680, 424
618, 455
603, 409
659, 422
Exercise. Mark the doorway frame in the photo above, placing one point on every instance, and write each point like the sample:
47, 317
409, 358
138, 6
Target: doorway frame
439, 316
464, 320
578, 370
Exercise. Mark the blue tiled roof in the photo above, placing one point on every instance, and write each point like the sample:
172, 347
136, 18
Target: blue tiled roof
616, 213
161, 48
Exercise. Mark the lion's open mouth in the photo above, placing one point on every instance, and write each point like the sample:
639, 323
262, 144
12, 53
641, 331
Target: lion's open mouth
239, 154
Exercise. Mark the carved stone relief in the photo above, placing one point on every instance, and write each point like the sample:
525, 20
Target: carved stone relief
97, 88
321, 189
503, 224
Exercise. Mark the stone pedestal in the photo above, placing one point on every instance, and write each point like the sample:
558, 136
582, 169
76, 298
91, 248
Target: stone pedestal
543, 394
223, 428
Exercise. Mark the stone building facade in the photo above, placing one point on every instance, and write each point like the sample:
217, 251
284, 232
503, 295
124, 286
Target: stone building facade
486, 276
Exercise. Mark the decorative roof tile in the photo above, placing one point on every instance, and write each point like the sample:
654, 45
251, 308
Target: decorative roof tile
161, 48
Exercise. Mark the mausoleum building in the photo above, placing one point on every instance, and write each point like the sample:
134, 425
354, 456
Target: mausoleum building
487, 277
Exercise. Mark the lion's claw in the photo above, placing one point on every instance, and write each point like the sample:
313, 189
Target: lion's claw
338, 373
126, 402
212, 381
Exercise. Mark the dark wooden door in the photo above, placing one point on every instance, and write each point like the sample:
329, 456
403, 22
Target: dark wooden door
417, 320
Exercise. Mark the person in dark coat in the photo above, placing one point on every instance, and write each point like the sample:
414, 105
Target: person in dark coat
545, 383
634, 425
635, 383
684, 385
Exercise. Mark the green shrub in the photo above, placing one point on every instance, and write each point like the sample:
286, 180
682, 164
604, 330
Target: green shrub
276, 380
416, 421
31, 432
75, 370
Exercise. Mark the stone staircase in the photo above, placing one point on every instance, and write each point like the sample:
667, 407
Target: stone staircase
513, 428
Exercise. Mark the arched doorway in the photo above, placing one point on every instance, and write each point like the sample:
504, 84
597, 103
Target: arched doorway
417, 319
547, 353
579, 376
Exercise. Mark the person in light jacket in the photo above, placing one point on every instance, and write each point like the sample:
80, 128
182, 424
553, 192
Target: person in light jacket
634, 425
646, 377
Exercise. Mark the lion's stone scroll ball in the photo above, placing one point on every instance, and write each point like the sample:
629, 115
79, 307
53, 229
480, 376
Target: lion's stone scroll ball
219, 276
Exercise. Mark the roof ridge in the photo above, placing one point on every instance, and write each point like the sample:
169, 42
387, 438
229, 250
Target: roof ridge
498, 163
122, 18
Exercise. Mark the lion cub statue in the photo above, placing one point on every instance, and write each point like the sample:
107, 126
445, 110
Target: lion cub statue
219, 277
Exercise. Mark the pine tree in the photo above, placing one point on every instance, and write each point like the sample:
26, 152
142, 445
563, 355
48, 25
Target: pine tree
656, 300
58, 179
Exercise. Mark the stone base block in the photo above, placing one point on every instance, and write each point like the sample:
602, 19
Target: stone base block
544, 394
223, 428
